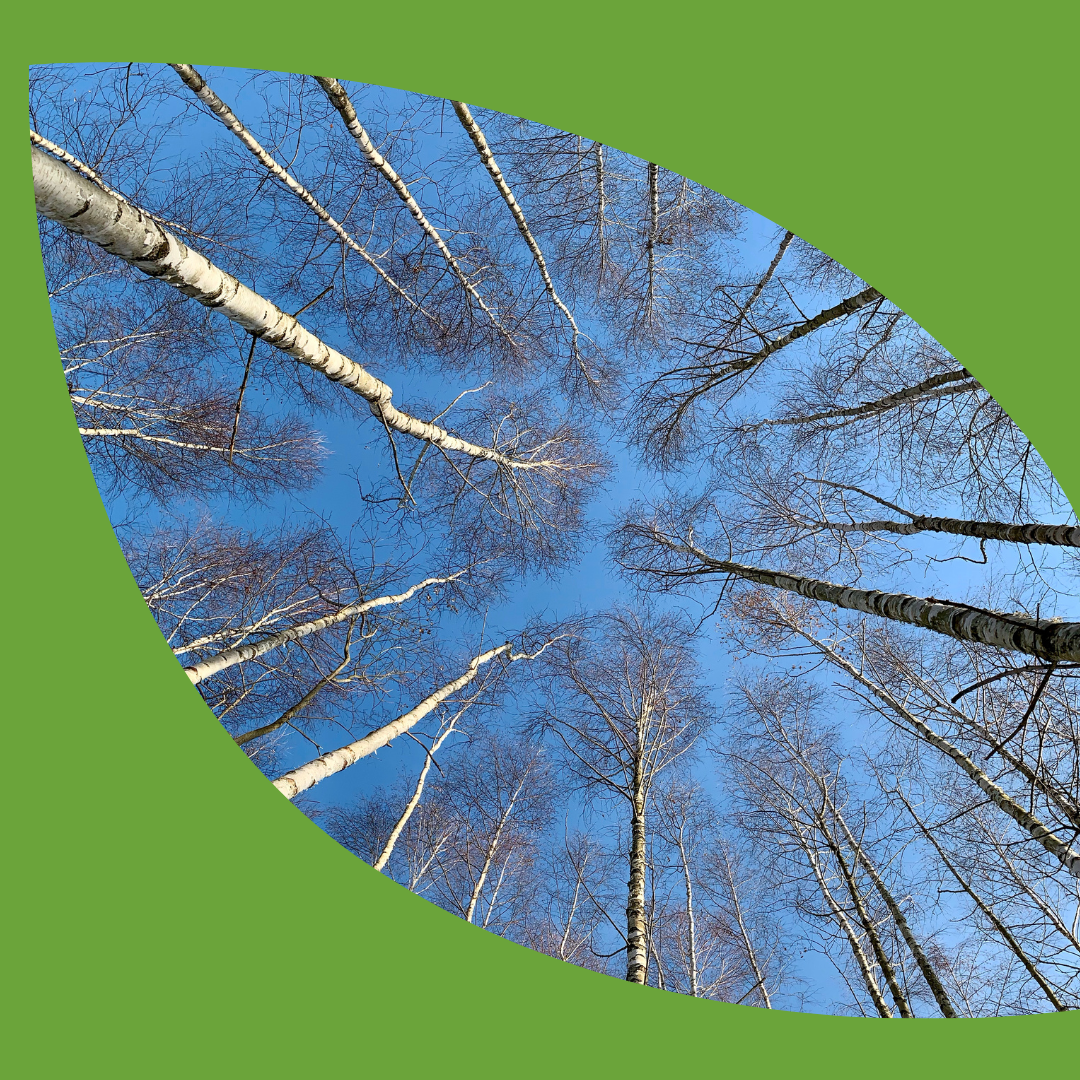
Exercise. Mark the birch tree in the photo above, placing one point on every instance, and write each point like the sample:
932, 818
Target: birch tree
624, 712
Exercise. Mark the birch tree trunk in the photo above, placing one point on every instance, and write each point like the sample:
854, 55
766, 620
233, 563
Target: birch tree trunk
295, 710
800, 330
1048, 639
691, 929
1068, 858
636, 928
418, 791
242, 653
751, 952
488, 158
927, 969
306, 776
650, 239
861, 959
1006, 934
1054, 535
863, 915
340, 100
122, 230
941, 385
490, 852
759, 288
198, 86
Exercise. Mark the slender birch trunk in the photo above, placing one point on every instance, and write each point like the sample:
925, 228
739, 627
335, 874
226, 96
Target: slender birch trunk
759, 288
927, 969
1048, 639
601, 211
650, 240
488, 158
418, 791
242, 653
636, 928
492, 849
1006, 934
1054, 535
340, 100
1059, 798
306, 776
691, 929
861, 959
863, 915
122, 230
1068, 858
751, 953
861, 858
296, 709
800, 330
941, 385
198, 86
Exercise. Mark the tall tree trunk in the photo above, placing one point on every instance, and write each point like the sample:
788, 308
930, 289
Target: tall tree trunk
744, 933
1047, 639
306, 776
295, 710
1056, 535
418, 791
941, 385
861, 959
491, 851
691, 929
650, 239
340, 100
242, 653
797, 332
1068, 858
864, 917
759, 288
927, 969
122, 230
1006, 934
198, 86
488, 158
636, 926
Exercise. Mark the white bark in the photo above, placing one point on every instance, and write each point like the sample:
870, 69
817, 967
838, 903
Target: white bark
340, 100
306, 776
198, 86
242, 653
863, 961
1006, 934
1068, 858
124, 231
1048, 639
488, 158
418, 791
916, 949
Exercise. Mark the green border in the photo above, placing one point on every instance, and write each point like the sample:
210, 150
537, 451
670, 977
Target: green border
169, 913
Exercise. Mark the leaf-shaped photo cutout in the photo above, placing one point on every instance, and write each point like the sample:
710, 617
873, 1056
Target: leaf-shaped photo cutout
688, 613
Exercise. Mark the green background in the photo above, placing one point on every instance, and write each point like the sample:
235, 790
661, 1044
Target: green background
168, 913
